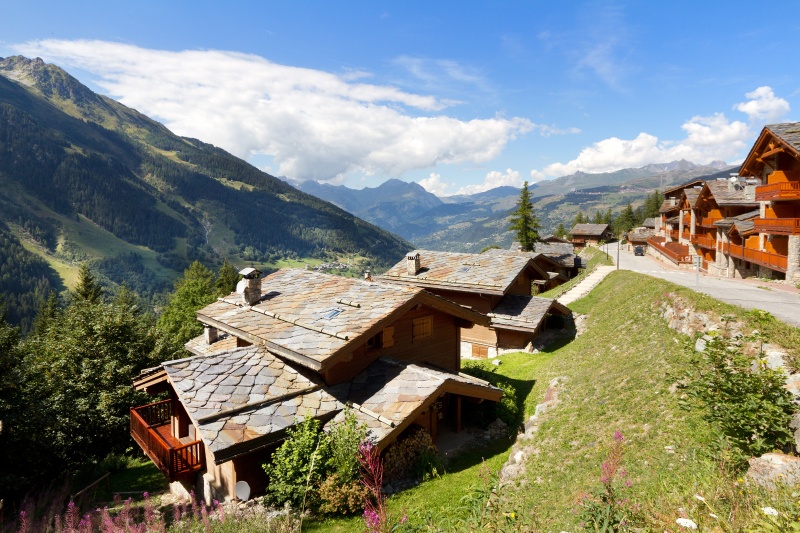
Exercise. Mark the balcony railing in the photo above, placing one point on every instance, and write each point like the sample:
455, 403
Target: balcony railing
767, 259
784, 190
778, 226
706, 241
673, 233
677, 253
150, 430
708, 222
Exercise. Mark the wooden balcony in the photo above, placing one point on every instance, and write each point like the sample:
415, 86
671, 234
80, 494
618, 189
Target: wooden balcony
778, 226
677, 253
673, 233
705, 241
767, 259
784, 190
150, 428
708, 222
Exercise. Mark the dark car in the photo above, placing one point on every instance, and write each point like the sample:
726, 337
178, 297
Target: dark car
638, 250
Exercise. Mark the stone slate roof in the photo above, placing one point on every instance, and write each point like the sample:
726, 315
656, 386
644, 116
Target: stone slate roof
788, 133
692, 183
313, 318
691, 196
246, 398
725, 195
725, 222
593, 230
524, 313
668, 206
553, 239
673, 220
483, 273
649, 223
641, 235
562, 253
544, 261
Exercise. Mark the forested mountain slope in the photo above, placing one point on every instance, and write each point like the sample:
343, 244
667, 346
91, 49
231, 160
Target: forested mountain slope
88, 179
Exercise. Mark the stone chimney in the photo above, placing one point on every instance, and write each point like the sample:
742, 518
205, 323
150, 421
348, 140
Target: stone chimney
750, 185
250, 286
367, 275
412, 264
211, 334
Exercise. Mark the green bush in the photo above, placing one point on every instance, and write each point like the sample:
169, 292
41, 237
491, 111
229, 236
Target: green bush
507, 409
743, 397
316, 470
413, 456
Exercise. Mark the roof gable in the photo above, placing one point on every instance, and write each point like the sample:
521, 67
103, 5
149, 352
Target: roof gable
774, 139
589, 229
481, 273
312, 318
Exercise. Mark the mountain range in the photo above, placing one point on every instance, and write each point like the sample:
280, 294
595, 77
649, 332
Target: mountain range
85, 178
469, 223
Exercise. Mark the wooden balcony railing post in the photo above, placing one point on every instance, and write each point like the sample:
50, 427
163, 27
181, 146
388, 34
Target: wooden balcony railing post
174, 461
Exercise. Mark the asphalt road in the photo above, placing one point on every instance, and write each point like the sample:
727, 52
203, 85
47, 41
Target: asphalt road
752, 294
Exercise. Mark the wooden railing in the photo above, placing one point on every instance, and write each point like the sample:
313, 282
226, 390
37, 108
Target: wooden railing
172, 460
708, 222
784, 190
673, 233
778, 226
674, 255
767, 259
706, 241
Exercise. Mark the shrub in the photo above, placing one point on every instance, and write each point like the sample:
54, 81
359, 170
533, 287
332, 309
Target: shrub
413, 456
507, 409
338, 498
298, 466
743, 397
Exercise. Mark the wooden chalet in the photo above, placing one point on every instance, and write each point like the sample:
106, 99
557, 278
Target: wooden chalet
584, 235
746, 225
296, 344
498, 283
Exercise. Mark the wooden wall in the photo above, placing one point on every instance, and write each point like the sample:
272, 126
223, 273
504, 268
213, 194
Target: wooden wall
482, 303
440, 349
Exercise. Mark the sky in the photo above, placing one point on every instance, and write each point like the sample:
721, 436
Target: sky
460, 97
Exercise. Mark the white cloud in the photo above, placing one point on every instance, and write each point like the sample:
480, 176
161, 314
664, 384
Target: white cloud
763, 107
708, 138
313, 124
434, 184
494, 179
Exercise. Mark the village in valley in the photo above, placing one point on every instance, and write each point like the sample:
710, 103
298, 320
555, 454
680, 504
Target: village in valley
304, 297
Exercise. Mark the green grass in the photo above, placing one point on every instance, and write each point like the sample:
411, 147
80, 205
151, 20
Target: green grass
619, 376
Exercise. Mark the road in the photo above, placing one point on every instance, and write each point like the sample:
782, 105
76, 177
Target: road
781, 301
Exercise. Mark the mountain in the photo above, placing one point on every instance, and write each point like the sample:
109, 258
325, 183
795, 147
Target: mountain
84, 178
468, 223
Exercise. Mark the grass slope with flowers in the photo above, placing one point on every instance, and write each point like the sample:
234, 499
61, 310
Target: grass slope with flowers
620, 423
620, 379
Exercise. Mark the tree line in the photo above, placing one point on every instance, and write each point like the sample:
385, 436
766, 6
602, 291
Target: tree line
66, 388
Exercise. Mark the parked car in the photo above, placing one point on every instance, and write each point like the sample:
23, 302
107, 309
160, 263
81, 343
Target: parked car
638, 250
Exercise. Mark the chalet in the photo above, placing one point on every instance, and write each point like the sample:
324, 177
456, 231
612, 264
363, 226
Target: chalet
497, 283
584, 235
746, 225
299, 343
774, 166
559, 250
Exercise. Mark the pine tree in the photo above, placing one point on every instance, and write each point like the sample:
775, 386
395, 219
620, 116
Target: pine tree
524, 221
193, 291
227, 278
598, 218
579, 219
625, 221
561, 231
87, 289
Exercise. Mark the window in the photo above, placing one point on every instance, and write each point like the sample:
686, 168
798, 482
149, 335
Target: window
421, 327
374, 342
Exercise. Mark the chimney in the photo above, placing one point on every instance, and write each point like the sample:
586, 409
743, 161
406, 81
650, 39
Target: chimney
211, 334
412, 264
250, 285
750, 185
367, 275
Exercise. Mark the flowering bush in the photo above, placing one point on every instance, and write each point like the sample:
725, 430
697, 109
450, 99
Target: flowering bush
376, 518
413, 456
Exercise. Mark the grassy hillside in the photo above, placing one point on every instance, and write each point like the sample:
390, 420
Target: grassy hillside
619, 376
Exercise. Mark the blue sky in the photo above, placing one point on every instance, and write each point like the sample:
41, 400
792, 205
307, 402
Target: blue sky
457, 96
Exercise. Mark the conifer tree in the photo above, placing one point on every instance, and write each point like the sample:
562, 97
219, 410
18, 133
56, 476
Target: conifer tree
561, 231
524, 221
227, 278
193, 291
87, 289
